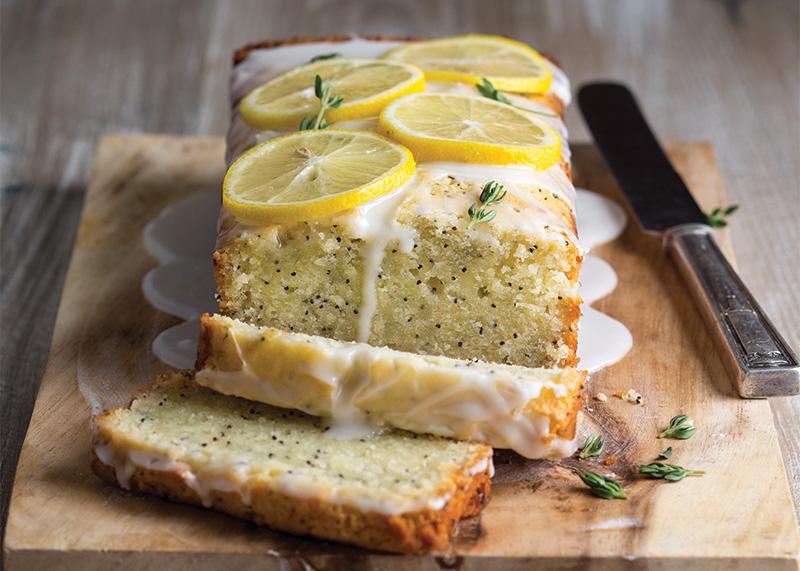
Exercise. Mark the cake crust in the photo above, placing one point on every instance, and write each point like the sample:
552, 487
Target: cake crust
416, 533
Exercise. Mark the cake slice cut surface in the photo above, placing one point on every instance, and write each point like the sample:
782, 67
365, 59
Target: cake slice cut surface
532, 411
393, 491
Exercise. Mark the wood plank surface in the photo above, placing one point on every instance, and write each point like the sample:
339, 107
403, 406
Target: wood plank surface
71, 70
737, 516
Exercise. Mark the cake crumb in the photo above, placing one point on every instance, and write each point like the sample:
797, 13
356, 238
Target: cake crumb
631, 395
602, 397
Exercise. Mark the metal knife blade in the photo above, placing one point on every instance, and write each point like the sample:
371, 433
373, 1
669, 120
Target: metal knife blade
760, 361
655, 191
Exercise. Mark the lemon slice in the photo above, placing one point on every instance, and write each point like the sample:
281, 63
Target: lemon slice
508, 64
471, 129
312, 174
366, 86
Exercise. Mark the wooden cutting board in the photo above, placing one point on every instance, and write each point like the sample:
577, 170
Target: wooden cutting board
738, 516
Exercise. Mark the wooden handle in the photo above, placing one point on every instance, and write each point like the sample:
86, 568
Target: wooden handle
756, 354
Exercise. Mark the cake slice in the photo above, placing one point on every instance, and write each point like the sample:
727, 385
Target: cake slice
410, 270
393, 491
532, 411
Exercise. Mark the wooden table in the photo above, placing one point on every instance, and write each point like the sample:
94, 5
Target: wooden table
721, 71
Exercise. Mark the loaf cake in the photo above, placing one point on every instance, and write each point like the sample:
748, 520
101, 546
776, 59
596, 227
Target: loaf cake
393, 491
532, 411
396, 275
410, 270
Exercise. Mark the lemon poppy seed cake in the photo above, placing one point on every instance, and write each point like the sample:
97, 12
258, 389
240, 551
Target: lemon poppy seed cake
397, 269
394, 491
418, 261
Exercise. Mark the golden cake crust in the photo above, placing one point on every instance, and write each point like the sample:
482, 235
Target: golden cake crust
416, 533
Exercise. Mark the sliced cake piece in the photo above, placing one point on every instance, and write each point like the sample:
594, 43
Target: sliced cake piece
532, 411
395, 491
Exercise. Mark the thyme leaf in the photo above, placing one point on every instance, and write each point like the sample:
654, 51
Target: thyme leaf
666, 453
488, 90
492, 194
480, 214
324, 57
602, 486
680, 427
592, 447
327, 100
718, 218
668, 472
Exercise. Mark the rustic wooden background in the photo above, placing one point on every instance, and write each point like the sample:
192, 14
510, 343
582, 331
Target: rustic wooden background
724, 71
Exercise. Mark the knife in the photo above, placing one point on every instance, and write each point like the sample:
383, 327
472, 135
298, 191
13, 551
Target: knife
759, 359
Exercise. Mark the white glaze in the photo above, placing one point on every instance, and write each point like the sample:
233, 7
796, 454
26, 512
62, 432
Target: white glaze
560, 85
615, 523
226, 475
598, 279
177, 345
376, 223
193, 278
521, 209
182, 238
602, 340
184, 230
599, 219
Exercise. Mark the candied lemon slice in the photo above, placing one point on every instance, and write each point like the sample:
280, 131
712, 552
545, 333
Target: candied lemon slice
508, 64
312, 174
365, 86
471, 129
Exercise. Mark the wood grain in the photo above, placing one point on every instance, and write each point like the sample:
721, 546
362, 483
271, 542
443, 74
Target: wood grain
71, 70
540, 512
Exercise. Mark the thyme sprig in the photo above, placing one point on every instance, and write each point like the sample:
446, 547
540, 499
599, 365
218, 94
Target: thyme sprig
669, 472
680, 427
488, 90
718, 218
592, 447
321, 57
602, 486
492, 194
665, 455
327, 100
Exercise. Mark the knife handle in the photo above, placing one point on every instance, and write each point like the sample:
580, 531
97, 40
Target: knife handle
757, 356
